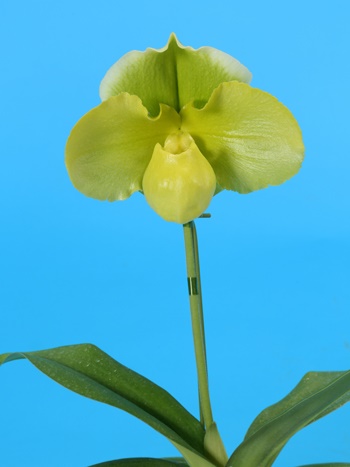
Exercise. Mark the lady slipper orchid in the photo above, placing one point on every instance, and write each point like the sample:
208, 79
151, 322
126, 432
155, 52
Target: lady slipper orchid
180, 125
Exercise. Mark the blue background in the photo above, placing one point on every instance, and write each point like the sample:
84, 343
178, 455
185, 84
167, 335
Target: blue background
275, 263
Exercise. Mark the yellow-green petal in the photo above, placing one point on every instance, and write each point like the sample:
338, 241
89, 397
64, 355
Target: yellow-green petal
179, 182
250, 139
109, 149
173, 75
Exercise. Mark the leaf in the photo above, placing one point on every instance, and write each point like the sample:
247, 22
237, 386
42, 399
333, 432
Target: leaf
89, 371
311, 383
332, 464
143, 461
317, 394
213, 444
179, 460
194, 459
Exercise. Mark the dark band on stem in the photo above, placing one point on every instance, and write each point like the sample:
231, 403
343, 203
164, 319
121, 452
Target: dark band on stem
192, 285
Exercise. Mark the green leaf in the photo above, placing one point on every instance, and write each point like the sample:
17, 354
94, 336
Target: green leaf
315, 396
143, 461
310, 384
332, 464
213, 444
173, 75
89, 371
179, 460
250, 139
194, 459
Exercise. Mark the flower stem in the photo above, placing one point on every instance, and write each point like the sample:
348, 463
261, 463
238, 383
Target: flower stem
195, 296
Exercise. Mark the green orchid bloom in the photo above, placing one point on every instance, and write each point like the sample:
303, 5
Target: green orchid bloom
180, 125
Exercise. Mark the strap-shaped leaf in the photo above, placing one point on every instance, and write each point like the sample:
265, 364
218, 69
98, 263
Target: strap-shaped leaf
143, 462
194, 459
310, 384
332, 464
315, 396
89, 371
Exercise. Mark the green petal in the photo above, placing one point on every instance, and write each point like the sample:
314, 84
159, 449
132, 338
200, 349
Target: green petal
173, 75
249, 137
109, 149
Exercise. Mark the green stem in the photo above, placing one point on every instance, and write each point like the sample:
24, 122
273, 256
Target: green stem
195, 296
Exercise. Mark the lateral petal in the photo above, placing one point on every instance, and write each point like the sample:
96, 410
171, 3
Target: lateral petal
110, 147
249, 137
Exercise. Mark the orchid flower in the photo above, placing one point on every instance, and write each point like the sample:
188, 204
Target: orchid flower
179, 125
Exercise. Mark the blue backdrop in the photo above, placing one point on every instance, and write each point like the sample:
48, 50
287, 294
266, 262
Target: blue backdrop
275, 263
